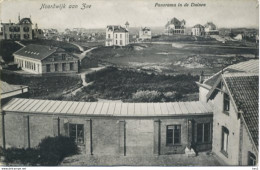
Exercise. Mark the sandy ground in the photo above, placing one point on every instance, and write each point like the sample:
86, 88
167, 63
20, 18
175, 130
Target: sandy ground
203, 159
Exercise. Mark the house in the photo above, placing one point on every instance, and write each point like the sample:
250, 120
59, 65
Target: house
41, 59
233, 95
38, 33
17, 31
9, 91
174, 26
117, 35
198, 30
145, 33
211, 29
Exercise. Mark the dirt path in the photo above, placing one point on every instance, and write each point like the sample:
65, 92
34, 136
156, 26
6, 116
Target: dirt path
83, 78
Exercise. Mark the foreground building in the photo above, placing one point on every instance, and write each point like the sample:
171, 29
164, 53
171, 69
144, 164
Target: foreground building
145, 34
17, 31
110, 128
233, 95
174, 26
117, 35
41, 59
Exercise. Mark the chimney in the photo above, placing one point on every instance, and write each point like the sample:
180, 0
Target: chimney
19, 18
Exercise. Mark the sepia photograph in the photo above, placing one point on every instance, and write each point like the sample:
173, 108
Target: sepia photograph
158, 83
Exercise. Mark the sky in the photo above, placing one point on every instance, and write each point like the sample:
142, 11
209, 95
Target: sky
139, 13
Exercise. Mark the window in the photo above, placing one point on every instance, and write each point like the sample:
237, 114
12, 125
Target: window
76, 131
71, 66
116, 42
120, 35
63, 66
63, 56
121, 42
251, 159
11, 29
116, 35
226, 106
26, 29
26, 36
224, 140
203, 132
108, 35
56, 67
173, 135
48, 68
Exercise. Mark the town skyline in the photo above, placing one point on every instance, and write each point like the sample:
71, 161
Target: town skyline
138, 14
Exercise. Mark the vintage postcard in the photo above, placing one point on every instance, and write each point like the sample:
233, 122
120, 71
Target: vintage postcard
129, 83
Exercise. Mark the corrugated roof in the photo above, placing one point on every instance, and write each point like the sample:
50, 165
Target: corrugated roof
251, 66
36, 51
107, 108
244, 89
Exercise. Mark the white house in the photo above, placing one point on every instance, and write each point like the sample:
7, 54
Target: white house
41, 59
117, 35
198, 30
145, 33
17, 31
174, 26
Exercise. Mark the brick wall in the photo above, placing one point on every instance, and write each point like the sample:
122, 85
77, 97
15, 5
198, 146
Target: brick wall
102, 135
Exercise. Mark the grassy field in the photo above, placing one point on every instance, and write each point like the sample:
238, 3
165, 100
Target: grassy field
66, 46
43, 87
132, 86
177, 58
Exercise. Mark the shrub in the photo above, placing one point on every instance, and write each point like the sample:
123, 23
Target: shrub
147, 96
28, 156
50, 152
54, 149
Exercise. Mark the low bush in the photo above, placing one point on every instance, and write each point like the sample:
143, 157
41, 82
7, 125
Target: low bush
50, 152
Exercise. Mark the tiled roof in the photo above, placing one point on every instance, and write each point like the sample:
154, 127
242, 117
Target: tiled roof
198, 26
108, 108
116, 28
34, 51
251, 66
176, 22
244, 90
28, 20
213, 26
145, 29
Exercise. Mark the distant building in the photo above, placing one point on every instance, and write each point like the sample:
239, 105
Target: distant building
40, 59
38, 33
211, 29
174, 26
145, 33
117, 35
17, 31
198, 30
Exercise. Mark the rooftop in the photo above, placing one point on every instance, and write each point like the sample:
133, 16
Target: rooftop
35, 51
251, 66
107, 108
244, 90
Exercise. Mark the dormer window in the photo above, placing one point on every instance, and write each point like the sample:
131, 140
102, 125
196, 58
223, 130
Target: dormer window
226, 104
